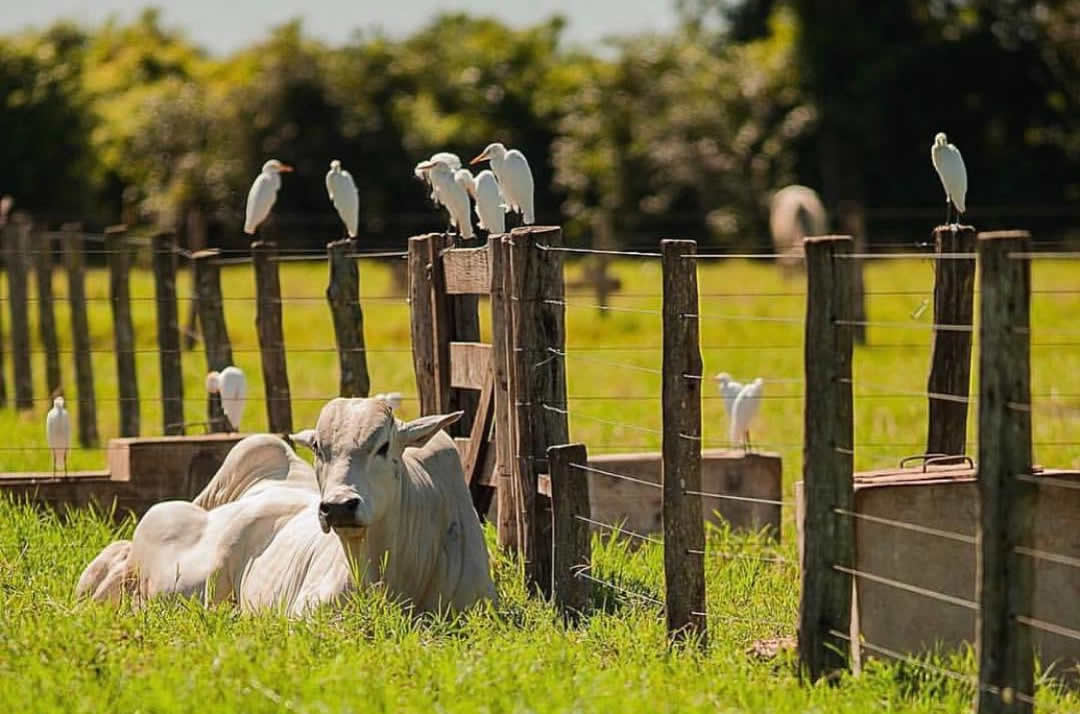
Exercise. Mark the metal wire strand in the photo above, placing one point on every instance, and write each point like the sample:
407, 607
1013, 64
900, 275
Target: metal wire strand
925, 592
914, 527
1049, 627
557, 410
738, 556
612, 474
744, 499
1049, 557
590, 251
622, 531
740, 618
608, 363
580, 573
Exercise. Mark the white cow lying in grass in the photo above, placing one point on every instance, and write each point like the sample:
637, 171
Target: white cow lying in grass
269, 531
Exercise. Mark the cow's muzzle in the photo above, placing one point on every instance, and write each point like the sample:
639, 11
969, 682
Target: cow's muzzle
342, 514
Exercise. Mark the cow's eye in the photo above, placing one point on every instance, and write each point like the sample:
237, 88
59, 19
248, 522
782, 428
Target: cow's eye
384, 449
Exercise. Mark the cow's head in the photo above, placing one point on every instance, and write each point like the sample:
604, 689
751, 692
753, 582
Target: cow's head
358, 447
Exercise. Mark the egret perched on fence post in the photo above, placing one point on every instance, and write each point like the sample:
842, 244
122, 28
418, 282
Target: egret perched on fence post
450, 194
953, 174
515, 178
58, 433
743, 411
729, 390
450, 159
343, 194
263, 193
490, 209
231, 384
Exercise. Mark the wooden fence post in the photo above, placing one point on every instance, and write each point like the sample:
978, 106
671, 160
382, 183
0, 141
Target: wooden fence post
343, 294
215, 335
80, 328
43, 267
168, 334
18, 240
119, 254
464, 321
572, 540
1007, 495
828, 457
950, 367
271, 337
538, 382
506, 492
430, 324
684, 523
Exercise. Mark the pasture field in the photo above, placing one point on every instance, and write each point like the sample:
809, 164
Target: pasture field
60, 655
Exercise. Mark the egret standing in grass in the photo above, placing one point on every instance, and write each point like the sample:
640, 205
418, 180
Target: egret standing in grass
58, 433
231, 384
953, 174
743, 411
263, 193
515, 178
343, 194
449, 194
448, 158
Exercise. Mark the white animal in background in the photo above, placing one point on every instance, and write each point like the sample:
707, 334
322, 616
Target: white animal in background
515, 178
953, 174
391, 398
58, 434
743, 411
343, 194
729, 389
263, 193
490, 209
795, 212
450, 159
450, 194
231, 384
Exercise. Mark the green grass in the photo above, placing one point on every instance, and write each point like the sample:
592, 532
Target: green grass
60, 655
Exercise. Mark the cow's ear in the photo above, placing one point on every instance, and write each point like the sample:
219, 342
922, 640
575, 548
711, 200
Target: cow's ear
418, 431
304, 438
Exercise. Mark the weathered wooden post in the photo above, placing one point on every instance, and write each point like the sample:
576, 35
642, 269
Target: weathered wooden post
684, 523
1007, 495
538, 382
464, 321
430, 324
950, 366
119, 254
43, 268
271, 337
572, 548
343, 294
163, 246
80, 328
16, 244
506, 492
215, 335
828, 457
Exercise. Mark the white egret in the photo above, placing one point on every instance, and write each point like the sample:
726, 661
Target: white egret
263, 193
490, 209
953, 174
450, 159
743, 411
343, 194
58, 433
729, 390
450, 194
231, 384
515, 178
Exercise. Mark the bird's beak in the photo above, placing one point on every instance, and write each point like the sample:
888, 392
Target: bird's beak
426, 165
286, 168
478, 159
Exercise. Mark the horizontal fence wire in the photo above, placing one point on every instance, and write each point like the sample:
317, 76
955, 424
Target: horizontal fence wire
590, 251
968, 679
579, 572
606, 363
741, 618
235, 350
1058, 558
914, 527
738, 556
905, 325
224, 299
619, 530
612, 474
744, 499
598, 420
908, 587
1050, 627
597, 306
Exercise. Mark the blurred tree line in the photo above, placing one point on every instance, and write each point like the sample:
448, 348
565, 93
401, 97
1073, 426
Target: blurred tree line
680, 134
